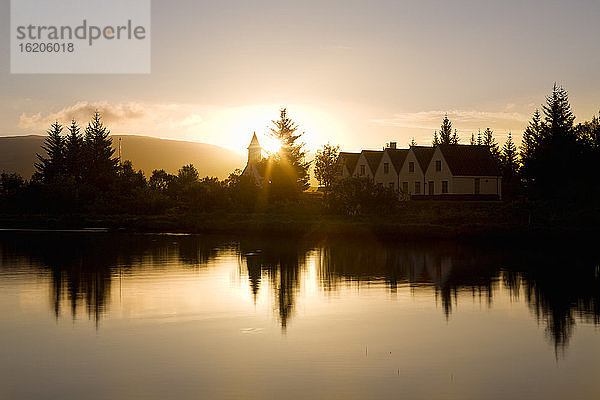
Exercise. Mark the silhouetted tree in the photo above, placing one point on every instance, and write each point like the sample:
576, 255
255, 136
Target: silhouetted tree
446, 131
50, 168
74, 157
327, 165
187, 175
436, 139
490, 141
508, 158
285, 172
551, 149
160, 180
101, 166
473, 142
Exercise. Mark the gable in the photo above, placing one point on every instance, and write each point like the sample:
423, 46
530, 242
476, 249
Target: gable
372, 159
423, 156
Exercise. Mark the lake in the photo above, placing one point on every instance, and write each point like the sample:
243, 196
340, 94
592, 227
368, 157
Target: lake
120, 316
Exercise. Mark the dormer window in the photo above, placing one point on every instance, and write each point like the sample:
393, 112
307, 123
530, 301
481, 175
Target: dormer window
438, 165
411, 166
386, 168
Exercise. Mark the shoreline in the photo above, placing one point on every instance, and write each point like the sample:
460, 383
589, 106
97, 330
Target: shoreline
391, 227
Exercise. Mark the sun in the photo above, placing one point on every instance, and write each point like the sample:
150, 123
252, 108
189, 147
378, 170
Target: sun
268, 143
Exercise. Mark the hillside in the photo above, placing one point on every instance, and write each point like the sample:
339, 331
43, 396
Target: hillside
17, 154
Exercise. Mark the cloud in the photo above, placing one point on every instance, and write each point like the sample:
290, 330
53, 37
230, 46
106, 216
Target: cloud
159, 119
463, 120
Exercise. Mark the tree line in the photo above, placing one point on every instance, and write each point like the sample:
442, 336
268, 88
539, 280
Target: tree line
78, 172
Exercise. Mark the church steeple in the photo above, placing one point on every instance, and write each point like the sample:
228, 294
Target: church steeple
254, 150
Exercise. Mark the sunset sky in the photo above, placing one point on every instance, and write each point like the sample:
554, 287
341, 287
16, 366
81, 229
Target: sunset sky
354, 73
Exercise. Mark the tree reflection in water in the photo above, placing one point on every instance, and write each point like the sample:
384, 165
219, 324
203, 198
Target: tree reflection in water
561, 284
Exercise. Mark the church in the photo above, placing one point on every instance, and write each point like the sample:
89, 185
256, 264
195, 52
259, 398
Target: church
254, 157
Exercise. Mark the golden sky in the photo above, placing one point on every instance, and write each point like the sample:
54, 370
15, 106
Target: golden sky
354, 73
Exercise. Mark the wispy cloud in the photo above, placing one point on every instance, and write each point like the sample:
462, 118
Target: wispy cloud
463, 120
132, 117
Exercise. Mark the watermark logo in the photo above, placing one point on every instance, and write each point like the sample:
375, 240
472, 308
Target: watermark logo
80, 36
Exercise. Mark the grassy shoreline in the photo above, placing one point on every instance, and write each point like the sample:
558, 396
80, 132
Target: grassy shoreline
449, 224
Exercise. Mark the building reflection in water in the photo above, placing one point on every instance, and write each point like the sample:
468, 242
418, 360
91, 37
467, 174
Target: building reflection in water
560, 285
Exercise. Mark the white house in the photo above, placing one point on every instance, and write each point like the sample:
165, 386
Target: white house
412, 174
451, 172
390, 164
463, 172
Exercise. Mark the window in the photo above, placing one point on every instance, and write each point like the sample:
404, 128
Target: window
477, 186
444, 187
362, 170
386, 168
411, 166
405, 187
438, 165
430, 187
417, 187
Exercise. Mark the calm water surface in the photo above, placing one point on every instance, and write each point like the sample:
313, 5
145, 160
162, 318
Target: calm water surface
105, 316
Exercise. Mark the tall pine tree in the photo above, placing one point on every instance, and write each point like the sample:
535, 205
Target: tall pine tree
101, 166
74, 162
490, 141
52, 167
508, 158
291, 153
446, 131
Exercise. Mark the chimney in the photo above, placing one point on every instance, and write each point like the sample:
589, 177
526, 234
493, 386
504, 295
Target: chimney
393, 145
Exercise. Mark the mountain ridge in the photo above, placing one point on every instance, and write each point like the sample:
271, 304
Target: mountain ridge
18, 154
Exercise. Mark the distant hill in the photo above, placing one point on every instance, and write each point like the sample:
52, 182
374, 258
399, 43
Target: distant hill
17, 154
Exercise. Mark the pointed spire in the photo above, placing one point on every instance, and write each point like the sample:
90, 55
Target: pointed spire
254, 142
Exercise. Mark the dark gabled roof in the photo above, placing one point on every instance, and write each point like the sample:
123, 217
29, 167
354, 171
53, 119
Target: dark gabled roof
469, 160
373, 158
350, 160
397, 156
423, 155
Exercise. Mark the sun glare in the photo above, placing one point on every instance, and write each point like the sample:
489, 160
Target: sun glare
269, 144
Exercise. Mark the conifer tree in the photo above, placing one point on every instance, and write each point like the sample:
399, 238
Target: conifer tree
446, 131
436, 140
473, 141
479, 139
509, 158
490, 141
292, 151
101, 166
530, 145
454, 139
74, 162
558, 115
50, 168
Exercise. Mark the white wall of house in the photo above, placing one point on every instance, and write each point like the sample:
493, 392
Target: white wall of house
437, 173
487, 184
362, 169
407, 178
386, 176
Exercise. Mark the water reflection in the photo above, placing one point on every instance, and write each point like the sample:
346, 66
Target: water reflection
560, 286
